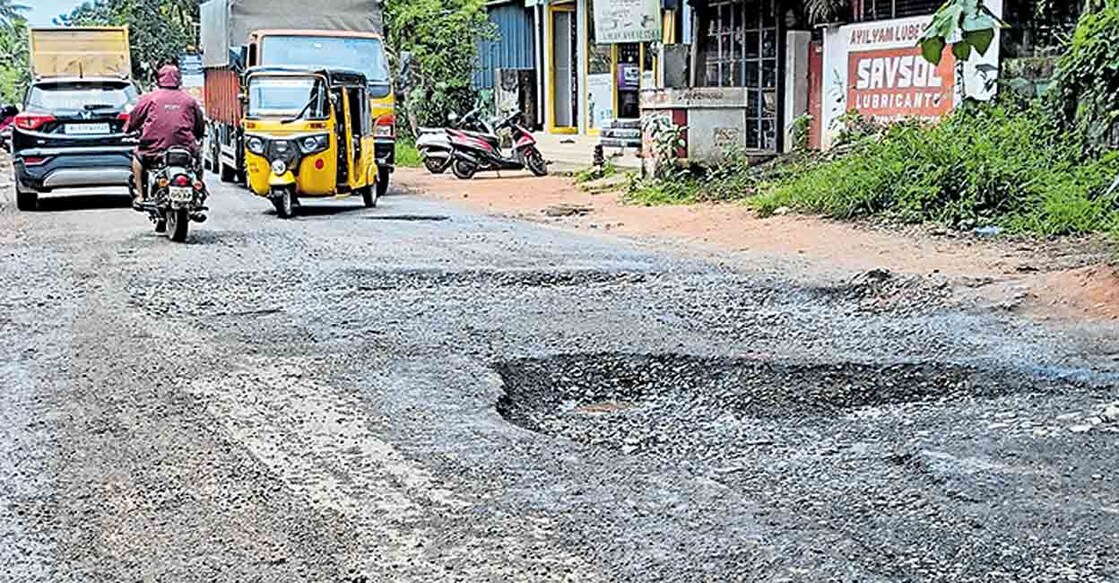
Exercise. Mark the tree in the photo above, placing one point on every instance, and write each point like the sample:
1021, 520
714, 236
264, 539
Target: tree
159, 30
442, 38
10, 12
14, 67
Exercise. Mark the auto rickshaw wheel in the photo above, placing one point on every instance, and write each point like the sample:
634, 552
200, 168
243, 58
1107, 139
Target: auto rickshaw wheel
370, 194
382, 183
284, 201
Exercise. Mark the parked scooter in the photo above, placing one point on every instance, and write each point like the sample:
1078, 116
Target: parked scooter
435, 149
435, 145
475, 151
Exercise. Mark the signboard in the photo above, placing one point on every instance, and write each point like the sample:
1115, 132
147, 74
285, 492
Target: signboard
876, 68
892, 84
627, 21
190, 66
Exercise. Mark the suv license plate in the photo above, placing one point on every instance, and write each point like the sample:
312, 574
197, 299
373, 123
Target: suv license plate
180, 194
87, 129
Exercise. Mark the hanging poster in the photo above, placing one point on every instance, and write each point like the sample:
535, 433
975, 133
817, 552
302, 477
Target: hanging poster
627, 21
600, 99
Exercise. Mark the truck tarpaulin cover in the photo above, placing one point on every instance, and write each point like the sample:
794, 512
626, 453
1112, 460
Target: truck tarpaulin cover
80, 52
226, 24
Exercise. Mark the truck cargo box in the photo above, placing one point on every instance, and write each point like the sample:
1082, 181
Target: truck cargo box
226, 24
79, 52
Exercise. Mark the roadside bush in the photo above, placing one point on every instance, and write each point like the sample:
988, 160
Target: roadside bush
982, 165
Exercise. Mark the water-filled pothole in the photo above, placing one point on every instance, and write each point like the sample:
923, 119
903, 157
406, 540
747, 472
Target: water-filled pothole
624, 399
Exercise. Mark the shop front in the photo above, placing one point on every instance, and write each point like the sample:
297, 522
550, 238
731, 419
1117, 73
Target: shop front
597, 59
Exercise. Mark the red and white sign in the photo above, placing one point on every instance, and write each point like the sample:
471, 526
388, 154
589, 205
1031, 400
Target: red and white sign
897, 83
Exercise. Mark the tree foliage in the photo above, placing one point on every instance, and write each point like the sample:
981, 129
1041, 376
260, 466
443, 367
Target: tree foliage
14, 73
968, 25
442, 38
159, 30
1085, 89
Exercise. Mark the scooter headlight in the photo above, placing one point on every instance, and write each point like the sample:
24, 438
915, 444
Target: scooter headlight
279, 167
255, 145
313, 144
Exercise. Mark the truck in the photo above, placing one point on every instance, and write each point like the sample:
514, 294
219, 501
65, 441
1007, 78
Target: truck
79, 52
238, 34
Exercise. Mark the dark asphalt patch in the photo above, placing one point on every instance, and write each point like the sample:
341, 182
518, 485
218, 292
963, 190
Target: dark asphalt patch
570, 394
409, 218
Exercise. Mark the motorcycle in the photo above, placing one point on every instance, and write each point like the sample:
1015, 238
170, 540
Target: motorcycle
435, 149
175, 193
435, 145
475, 151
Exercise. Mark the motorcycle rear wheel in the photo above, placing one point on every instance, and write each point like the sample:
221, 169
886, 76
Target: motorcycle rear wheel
463, 170
178, 222
435, 165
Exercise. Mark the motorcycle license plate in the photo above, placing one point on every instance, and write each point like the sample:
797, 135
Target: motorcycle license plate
180, 194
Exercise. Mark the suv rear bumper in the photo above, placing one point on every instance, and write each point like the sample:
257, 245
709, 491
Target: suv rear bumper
74, 167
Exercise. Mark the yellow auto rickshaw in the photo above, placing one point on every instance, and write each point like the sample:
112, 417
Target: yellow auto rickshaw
308, 133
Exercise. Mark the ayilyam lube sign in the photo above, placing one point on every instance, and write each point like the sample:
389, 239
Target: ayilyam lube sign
627, 21
876, 69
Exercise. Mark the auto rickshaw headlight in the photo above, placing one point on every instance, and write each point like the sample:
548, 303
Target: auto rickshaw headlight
314, 144
255, 145
279, 167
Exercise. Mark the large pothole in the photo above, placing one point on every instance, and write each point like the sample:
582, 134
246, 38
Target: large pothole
637, 401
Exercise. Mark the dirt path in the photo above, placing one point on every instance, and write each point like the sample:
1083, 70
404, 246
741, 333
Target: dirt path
1066, 280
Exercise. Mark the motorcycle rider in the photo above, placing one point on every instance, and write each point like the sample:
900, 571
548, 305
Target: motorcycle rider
165, 118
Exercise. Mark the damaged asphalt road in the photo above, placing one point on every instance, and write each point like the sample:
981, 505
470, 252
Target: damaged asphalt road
415, 393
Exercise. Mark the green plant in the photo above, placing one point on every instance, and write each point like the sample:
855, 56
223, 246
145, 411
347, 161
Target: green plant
988, 165
592, 173
801, 126
407, 156
667, 140
967, 24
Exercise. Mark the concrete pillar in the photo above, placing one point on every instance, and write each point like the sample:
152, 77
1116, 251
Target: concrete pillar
796, 81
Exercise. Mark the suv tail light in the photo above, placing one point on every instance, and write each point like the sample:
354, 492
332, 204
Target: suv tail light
385, 126
33, 160
123, 117
31, 121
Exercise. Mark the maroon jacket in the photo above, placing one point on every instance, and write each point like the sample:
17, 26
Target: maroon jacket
166, 117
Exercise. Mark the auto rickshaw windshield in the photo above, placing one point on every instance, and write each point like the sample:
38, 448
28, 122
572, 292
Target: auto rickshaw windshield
287, 96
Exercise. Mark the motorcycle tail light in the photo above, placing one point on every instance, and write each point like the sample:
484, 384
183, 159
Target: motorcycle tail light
32, 121
181, 180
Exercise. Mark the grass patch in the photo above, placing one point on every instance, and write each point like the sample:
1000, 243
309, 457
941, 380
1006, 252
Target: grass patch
407, 156
986, 165
592, 173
